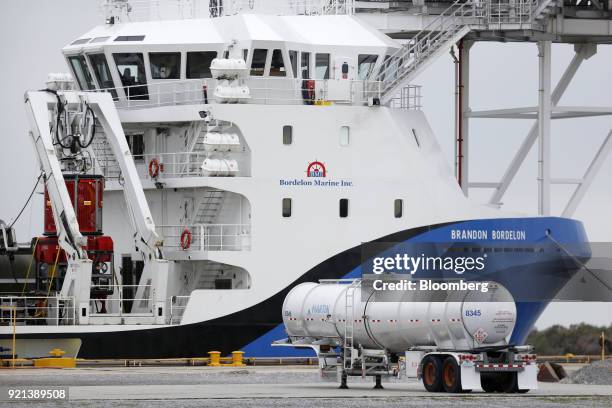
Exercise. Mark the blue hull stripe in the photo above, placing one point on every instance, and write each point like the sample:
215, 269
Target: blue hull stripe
535, 231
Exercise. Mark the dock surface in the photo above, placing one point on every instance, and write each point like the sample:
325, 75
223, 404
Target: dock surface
286, 386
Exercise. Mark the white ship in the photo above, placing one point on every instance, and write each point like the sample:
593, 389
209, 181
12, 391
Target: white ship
270, 142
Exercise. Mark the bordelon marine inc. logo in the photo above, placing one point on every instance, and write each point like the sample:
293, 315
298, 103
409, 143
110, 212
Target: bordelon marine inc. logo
316, 169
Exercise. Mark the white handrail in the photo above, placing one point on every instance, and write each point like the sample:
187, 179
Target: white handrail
206, 237
263, 90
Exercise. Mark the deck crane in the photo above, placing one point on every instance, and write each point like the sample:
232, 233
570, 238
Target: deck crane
147, 242
154, 279
77, 281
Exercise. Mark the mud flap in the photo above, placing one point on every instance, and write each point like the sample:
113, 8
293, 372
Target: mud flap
528, 378
470, 379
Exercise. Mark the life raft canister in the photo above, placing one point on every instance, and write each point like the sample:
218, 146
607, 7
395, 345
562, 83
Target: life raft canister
186, 239
154, 168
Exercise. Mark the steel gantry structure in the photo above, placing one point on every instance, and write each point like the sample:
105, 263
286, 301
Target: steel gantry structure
431, 29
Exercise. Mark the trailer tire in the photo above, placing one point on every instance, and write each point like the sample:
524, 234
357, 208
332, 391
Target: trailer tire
432, 374
451, 375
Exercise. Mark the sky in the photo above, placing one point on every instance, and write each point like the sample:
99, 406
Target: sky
502, 75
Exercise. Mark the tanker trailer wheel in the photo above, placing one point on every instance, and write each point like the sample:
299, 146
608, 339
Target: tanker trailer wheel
432, 374
451, 376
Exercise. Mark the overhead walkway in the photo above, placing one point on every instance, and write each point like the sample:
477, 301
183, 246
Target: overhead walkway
453, 24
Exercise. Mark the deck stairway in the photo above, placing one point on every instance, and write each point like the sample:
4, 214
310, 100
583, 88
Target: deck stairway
338, 7
452, 25
105, 158
208, 207
546, 9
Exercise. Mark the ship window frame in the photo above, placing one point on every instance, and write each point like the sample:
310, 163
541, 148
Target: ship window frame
345, 135
136, 145
206, 73
99, 40
82, 75
129, 38
176, 73
287, 207
80, 41
255, 71
325, 59
287, 135
293, 61
139, 90
276, 70
305, 67
93, 62
398, 208
362, 59
343, 207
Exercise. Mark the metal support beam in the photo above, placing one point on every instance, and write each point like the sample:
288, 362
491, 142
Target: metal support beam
590, 174
463, 137
544, 111
583, 52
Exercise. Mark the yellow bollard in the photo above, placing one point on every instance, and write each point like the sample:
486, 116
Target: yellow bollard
215, 358
237, 358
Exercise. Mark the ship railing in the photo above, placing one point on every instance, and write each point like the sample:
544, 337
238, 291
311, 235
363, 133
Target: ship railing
183, 164
206, 237
516, 13
409, 98
152, 10
116, 304
263, 90
178, 304
38, 310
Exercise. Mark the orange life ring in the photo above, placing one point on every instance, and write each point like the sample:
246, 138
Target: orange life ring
186, 239
154, 168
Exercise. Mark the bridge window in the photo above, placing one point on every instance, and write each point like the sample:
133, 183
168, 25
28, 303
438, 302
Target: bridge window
130, 38
293, 60
366, 64
102, 73
286, 207
165, 65
398, 208
83, 77
287, 134
277, 65
305, 65
344, 207
198, 64
132, 72
258, 65
322, 66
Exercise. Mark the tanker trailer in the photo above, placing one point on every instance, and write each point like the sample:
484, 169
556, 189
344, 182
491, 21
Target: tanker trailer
454, 344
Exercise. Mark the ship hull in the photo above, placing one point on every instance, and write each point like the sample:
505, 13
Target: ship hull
533, 282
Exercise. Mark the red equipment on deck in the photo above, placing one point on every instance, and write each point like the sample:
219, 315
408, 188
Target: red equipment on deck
86, 193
